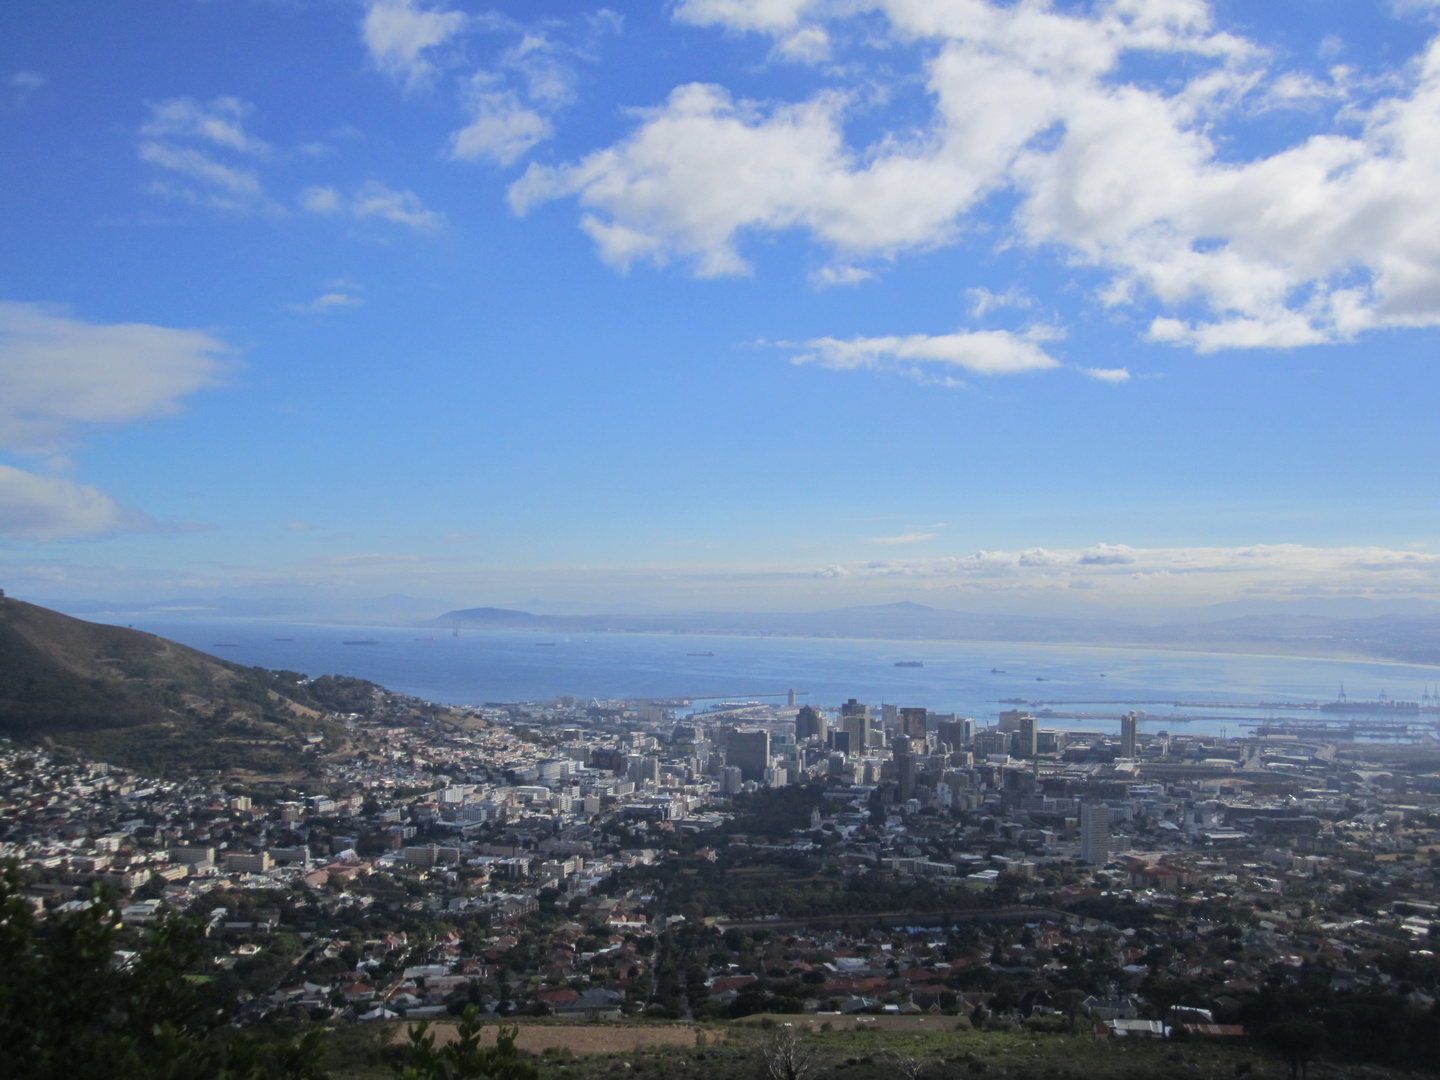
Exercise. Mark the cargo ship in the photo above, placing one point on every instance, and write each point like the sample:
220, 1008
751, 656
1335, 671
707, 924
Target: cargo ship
909, 663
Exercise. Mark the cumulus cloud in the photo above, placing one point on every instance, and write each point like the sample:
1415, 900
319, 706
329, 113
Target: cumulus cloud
981, 352
1114, 376
512, 99
1314, 242
58, 373
402, 37
768, 16
809, 45
501, 128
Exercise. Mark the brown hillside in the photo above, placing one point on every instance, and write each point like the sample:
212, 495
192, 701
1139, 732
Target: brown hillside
135, 699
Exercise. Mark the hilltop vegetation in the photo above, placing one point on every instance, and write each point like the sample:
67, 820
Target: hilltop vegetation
138, 700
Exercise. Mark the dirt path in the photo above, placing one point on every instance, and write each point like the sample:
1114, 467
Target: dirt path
584, 1038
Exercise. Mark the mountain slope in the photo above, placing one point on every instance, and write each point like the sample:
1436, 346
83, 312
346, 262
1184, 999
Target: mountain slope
138, 700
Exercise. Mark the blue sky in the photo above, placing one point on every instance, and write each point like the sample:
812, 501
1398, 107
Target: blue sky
720, 303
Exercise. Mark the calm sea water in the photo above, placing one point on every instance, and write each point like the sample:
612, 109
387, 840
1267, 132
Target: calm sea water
480, 666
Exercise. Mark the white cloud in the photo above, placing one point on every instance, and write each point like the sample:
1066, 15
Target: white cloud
320, 200
840, 275
983, 300
907, 538
220, 185
183, 136
809, 45
401, 35
510, 101
1315, 242
25, 83
501, 129
1114, 376
374, 199
49, 508
58, 372
328, 302
769, 16
220, 121
983, 352
1120, 574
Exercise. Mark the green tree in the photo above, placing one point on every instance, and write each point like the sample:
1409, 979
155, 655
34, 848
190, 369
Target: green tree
1299, 1040
70, 1011
465, 1058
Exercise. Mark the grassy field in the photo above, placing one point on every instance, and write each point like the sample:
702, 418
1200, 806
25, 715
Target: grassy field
879, 1048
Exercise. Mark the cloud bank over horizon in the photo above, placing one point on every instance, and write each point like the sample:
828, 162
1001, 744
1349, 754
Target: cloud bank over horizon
1082, 582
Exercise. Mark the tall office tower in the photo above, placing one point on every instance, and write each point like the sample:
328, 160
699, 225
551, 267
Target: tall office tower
890, 716
1010, 719
1094, 833
1129, 724
731, 778
810, 724
750, 750
957, 734
838, 740
855, 720
912, 723
1029, 736
904, 767
790, 699
990, 742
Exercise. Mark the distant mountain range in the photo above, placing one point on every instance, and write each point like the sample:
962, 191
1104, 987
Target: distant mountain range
1408, 638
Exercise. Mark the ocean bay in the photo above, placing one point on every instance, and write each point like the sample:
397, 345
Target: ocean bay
968, 678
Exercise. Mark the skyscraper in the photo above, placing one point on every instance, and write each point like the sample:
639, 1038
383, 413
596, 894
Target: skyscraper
956, 734
750, 750
1010, 719
1094, 833
730, 780
1129, 725
855, 719
1029, 736
904, 767
810, 724
912, 723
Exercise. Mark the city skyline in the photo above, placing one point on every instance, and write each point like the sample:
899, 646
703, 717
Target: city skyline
764, 305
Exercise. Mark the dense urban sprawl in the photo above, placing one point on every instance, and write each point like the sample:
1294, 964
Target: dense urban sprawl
621, 858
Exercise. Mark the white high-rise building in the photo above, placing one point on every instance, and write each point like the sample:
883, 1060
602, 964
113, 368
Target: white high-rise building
1094, 833
1129, 729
